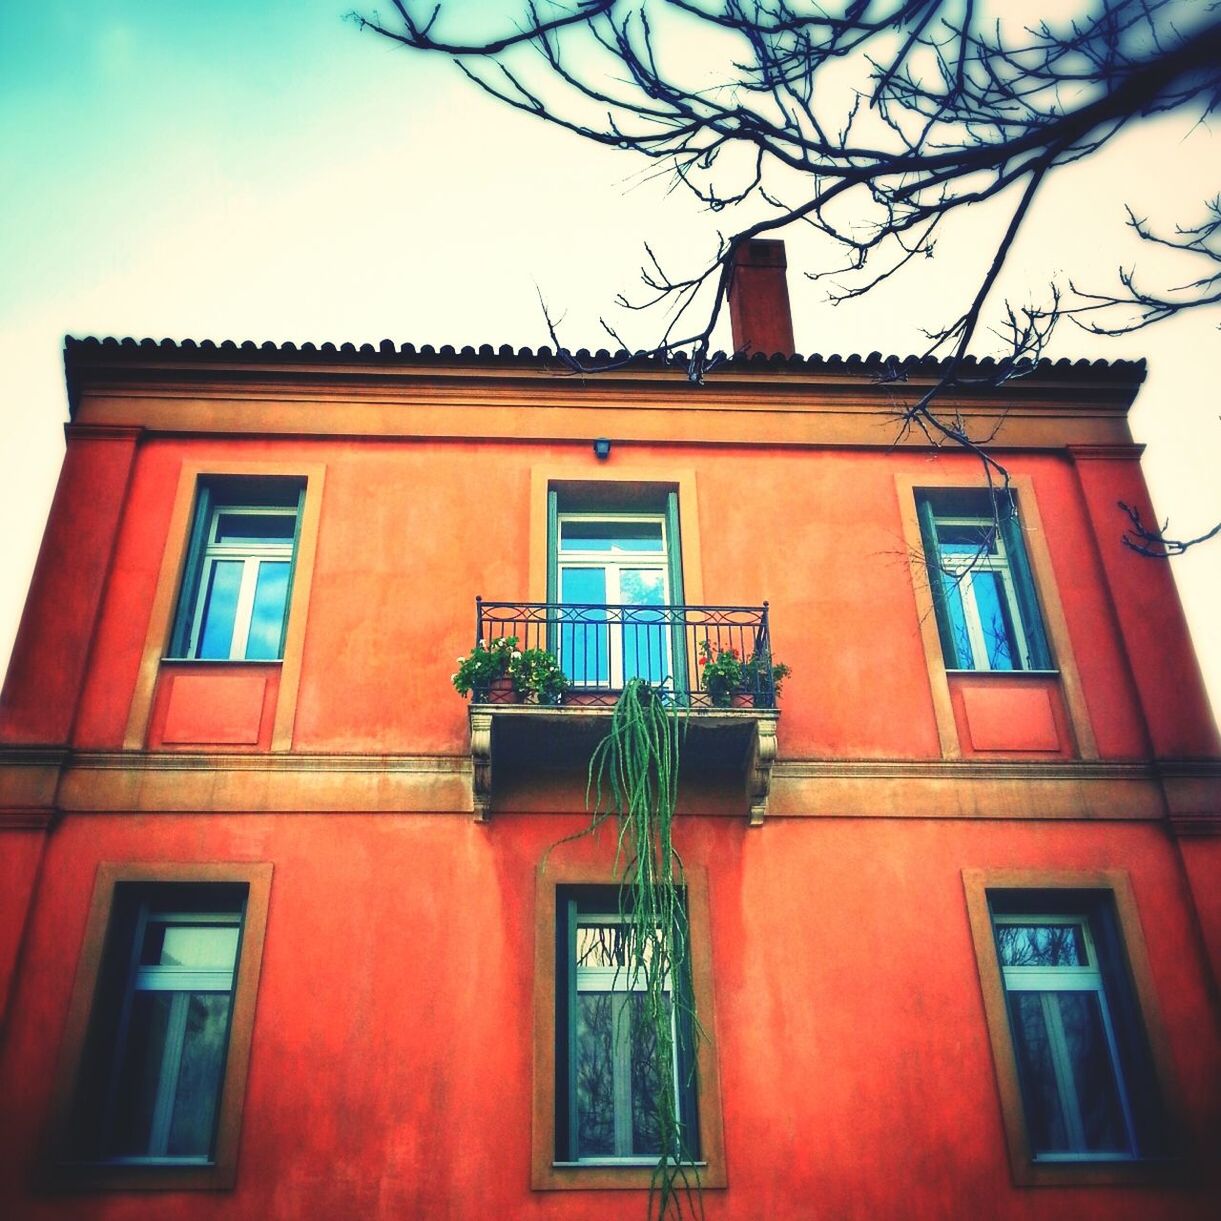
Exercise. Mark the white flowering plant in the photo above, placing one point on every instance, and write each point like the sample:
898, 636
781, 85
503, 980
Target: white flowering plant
537, 673
484, 663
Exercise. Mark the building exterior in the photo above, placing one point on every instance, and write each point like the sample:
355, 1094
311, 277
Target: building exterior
288, 928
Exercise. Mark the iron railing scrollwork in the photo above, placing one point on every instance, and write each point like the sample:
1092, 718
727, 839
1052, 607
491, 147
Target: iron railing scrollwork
602, 645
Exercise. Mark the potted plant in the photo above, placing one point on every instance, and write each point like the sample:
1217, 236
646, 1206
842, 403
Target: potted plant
538, 676
723, 673
734, 683
487, 671
765, 694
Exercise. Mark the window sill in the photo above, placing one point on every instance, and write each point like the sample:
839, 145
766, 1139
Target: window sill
222, 661
140, 1174
1008, 673
618, 1163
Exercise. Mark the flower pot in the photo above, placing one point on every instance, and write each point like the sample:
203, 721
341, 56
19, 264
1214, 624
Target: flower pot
502, 691
742, 699
584, 699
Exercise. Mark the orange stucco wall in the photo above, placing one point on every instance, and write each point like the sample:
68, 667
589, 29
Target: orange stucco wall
391, 1066
818, 534
391, 1070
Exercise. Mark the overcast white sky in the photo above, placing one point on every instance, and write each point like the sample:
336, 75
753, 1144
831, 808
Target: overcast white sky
264, 171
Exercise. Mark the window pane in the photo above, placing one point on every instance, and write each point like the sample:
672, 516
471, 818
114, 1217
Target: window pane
139, 1077
255, 527
618, 1076
610, 534
602, 945
646, 1079
267, 617
1068, 1077
187, 945
646, 651
220, 607
199, 1075
584, 636
994, 621
1093, 1071
958, 621
595, 1075
961, 541
1041, 945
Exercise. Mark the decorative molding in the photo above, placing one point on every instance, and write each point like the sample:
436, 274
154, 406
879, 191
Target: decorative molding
481, 764
759, 770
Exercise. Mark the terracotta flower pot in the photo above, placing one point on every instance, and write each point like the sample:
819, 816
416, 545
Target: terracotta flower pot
502, 691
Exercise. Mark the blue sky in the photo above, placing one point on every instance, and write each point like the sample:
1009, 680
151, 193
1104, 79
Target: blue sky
266, 171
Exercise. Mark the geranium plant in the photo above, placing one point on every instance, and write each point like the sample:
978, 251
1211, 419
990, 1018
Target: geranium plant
537, 673
725, 674
722, 674
484, 663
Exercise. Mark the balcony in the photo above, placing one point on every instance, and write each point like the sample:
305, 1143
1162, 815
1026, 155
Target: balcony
729, 730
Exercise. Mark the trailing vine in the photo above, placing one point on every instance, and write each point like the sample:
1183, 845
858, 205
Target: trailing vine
633, 778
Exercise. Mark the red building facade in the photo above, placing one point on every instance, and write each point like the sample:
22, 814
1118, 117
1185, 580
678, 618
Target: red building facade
284, 919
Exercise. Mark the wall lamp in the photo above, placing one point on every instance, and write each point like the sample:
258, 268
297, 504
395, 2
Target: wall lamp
602, 449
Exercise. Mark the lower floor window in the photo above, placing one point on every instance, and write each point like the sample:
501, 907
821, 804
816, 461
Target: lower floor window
1074, 1059
623, 1047
166, 998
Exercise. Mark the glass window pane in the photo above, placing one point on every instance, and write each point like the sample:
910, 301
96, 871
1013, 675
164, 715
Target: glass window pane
267, 617
220, 607
958, 621
961, 541
610, 534
602, 945
1036, 1068
584, 635
994, 621
139, 1076
238, 527
1089, 1054
646, 640
646, 1078
199, 1075
190, 945
595, 1079
1041, 945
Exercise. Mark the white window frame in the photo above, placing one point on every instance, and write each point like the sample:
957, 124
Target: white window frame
623, 981
181, 981
612, 563
962, 572
252, 555
1087, 978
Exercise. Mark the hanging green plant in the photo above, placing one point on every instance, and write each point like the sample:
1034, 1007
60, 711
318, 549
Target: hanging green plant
633, 778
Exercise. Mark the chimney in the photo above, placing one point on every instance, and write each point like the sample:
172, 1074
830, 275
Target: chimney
759, 313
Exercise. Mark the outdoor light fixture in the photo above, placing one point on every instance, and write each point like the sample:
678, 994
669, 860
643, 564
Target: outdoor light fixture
602, 449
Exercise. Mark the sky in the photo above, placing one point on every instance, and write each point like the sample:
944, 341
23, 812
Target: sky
238, 170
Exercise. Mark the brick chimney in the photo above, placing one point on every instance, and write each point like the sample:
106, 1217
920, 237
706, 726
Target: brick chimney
759, 313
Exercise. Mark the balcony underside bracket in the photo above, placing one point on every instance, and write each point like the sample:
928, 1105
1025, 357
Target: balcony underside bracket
759, 770
481, 764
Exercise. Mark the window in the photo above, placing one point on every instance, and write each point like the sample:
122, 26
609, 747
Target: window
608, 1072
597, 1074
238, 573
616, 572
161, 1065
987, 611
1073, 1032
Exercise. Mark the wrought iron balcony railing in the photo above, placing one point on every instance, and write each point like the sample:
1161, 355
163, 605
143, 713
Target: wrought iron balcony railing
600, 646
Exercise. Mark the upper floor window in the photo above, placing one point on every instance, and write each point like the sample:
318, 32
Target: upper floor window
235, 594
988, 614
616, 546
617, 561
